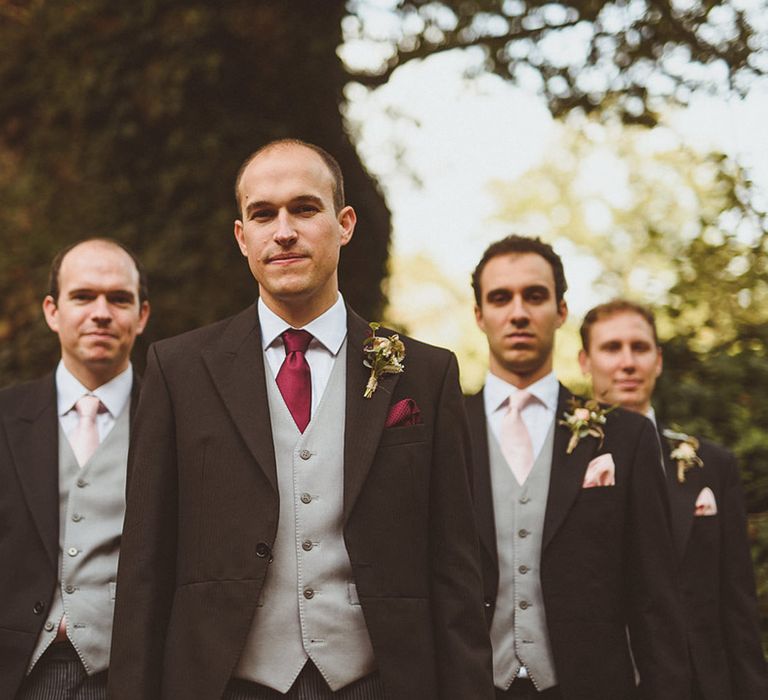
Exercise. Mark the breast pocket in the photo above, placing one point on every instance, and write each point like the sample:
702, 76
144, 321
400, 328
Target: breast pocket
403, 436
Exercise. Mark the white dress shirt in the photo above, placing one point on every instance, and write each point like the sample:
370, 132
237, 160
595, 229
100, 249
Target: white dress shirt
328, 332
114, 396
537, 414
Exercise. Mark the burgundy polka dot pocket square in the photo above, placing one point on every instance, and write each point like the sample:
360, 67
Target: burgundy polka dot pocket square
403, 413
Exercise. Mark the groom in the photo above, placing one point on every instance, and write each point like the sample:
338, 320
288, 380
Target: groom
286, 536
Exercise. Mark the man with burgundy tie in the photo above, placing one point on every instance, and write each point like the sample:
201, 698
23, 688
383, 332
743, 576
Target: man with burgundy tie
293, 531
570, 507
621, 353
63, 456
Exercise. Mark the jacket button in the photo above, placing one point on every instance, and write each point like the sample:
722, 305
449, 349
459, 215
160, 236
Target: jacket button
262, 550
305, 454
38, 607
309, 593
487, 603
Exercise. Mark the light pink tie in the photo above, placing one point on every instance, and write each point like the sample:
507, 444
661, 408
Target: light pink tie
516, 443
85, 437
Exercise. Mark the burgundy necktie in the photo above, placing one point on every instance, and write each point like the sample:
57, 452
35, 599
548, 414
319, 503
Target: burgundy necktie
294, 379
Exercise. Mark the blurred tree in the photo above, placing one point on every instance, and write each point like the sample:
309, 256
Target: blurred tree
634, 55
131, 119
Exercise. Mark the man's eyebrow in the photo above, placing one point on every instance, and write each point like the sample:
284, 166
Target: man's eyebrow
96, 292
300, 199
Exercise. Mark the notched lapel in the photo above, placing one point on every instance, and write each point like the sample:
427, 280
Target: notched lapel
365, 418
482, 488
33, 436
682, 497
568, 471
236, 364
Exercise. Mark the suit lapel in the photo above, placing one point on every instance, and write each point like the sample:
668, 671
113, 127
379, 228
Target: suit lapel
482, 493
365, 418
236, 365
33, 437
567, 471
682, 496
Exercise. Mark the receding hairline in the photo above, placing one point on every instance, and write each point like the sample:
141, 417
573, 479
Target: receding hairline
286, 144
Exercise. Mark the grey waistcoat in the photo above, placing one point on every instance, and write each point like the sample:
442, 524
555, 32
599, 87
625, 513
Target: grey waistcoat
91, 509
309, 606
519, 632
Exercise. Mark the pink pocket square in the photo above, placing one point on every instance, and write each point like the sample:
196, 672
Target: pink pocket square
600, 472
403, 413
705, 503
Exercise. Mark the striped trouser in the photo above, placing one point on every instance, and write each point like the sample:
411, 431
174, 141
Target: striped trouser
59, 675
310, 685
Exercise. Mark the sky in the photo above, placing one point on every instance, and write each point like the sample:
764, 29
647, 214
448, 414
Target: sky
435, 140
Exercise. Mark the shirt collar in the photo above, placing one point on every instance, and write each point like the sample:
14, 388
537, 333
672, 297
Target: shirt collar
114, 395
651, 415
329, 329
497, 391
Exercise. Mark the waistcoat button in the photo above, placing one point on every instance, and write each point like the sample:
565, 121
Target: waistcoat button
523, 569
77, 517
81, 482
49, 626
305, 454
72, 551
306, 498
306, 545
309, 593
523, 533
69, 588
524, 604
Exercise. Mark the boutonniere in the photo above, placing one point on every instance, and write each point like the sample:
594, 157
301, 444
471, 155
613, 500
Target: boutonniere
383, 356
683, 452
585, 418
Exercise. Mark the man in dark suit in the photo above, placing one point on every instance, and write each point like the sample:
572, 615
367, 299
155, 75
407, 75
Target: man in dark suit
570, 508
287, 536
63, 454
621, 352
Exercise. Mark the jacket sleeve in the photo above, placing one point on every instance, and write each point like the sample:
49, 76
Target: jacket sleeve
655, 614
741, 632
464, 657
146, 573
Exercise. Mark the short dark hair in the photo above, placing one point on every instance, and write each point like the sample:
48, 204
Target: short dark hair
515, 245
611, 308
53, 276
330, 162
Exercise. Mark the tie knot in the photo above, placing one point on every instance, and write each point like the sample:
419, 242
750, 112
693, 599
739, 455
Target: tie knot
88, 406
296, 340
518, 401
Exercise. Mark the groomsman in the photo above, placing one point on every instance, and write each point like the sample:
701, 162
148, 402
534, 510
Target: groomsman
295, 529
621, 353
63, 455
570, 506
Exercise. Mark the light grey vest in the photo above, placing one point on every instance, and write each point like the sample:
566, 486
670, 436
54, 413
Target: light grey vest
91, 509
309, 606
519, 633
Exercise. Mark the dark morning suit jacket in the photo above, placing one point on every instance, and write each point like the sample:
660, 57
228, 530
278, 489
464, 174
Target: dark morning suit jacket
607, 562
29, 520
203, 507
717, 580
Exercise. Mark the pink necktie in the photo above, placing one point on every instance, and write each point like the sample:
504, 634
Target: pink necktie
294, 379
85, 437
515, 440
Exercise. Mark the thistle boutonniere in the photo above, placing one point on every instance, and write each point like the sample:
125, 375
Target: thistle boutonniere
585, 418
383, 356
683, 452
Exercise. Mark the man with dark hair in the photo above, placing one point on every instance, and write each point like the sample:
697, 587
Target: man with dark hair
299, 523
622, 354
63, 454
570, 507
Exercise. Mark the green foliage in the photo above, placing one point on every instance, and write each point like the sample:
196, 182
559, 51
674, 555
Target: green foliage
130, 120
585, 54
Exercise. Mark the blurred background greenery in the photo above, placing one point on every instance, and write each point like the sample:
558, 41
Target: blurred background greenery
130, 120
